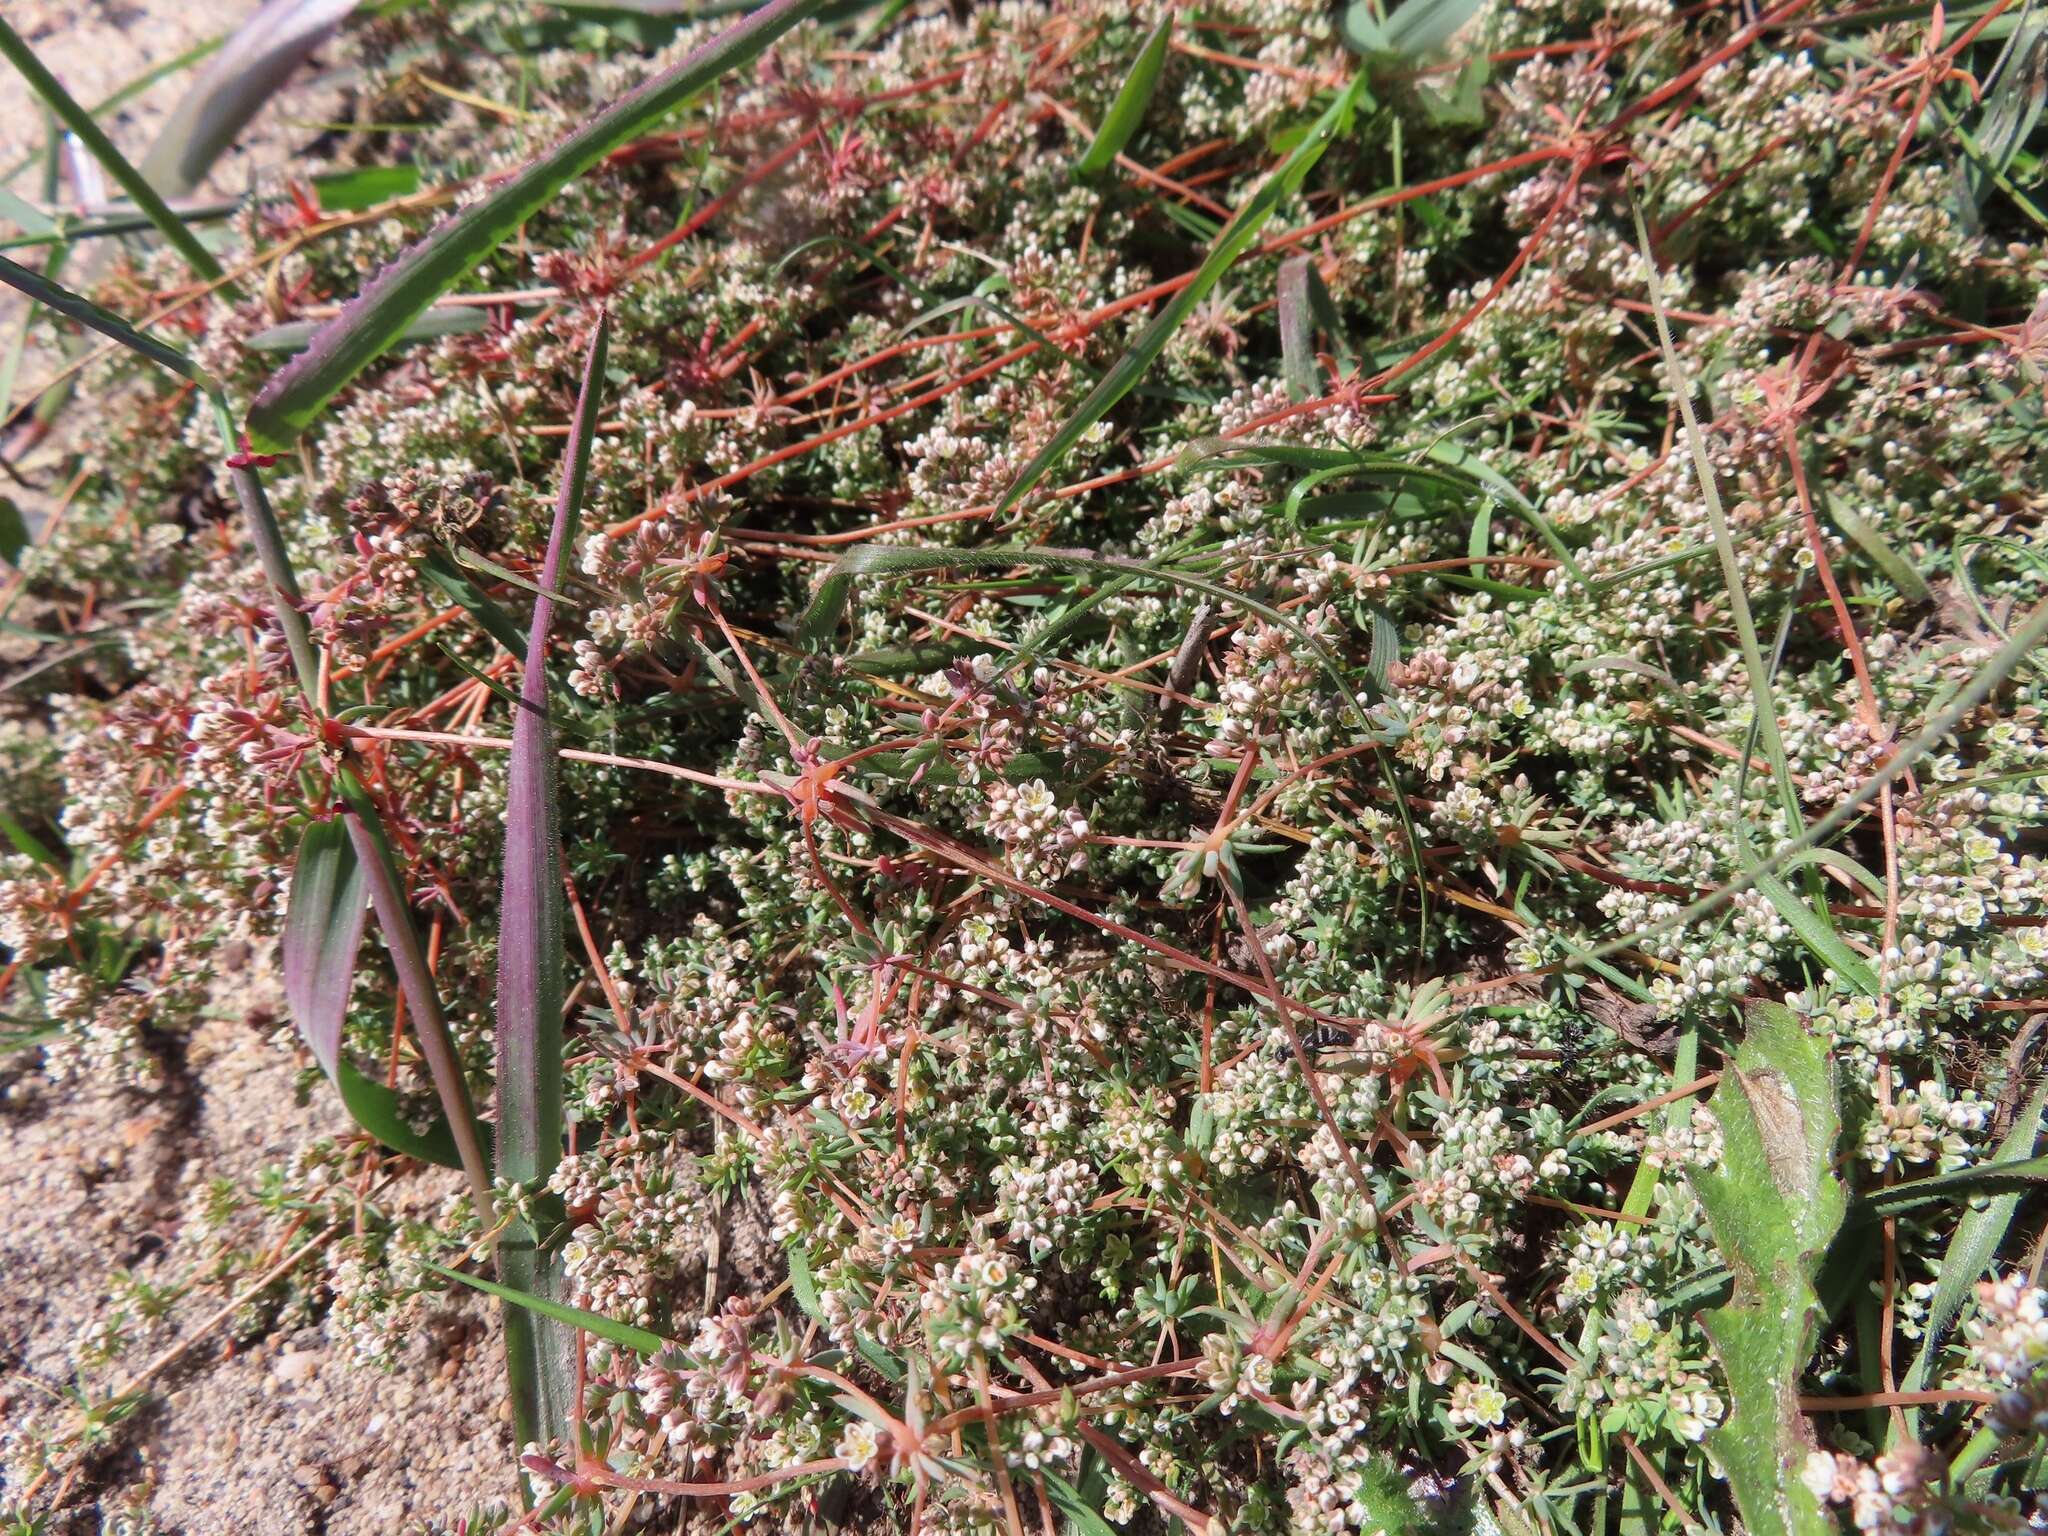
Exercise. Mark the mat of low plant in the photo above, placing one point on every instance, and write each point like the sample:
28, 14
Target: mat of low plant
1308, 739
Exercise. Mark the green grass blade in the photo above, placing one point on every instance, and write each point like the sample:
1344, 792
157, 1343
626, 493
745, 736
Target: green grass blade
576, 1317
80, 122
448, 320
1970, 1254
457, 587
76, 307
1236, 238
2021, 1176
1816, 935
1888, 560
1128, 110
377, 318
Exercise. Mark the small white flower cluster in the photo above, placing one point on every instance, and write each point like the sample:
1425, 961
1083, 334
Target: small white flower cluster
1899, 1492
2009, 1335
638, 1211
1038, 1446
1605, 1259
1694, 1142
697, 1402
971, 1305
1384, 1337
1477, 1164
2008, 1340
1042, 838
1925, 1125
1482, 1406
1043, 1201
954, 470
1262, 676
1239, 1375
1640, 1369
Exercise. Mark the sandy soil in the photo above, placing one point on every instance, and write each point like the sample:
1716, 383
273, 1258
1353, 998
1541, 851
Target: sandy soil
283, 1435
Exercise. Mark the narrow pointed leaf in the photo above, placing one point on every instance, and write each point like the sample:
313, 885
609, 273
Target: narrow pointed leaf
2020, 1176
1970, 1254
1816, 935
369, 325
466, 594
1232, 243
1304, 302
323, 932
449, 320
559, 1311
540, 1354
1128, 110
77, 307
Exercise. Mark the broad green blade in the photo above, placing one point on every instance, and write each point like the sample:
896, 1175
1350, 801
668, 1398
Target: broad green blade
323, 933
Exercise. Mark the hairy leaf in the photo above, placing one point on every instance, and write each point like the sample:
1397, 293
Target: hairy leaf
1774, 1205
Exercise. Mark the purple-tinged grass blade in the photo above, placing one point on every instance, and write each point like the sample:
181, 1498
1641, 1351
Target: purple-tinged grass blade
1303, 304
250, 68
377, 317
75, 306
540, 1353
323, 934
